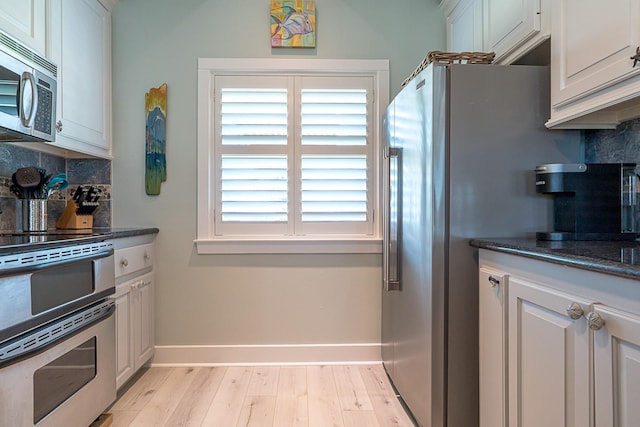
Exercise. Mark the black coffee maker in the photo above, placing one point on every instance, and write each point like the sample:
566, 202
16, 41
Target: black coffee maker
591, 201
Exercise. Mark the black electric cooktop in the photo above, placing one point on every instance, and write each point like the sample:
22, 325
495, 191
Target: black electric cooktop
18, 241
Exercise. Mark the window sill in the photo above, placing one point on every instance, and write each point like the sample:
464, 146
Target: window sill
289, 246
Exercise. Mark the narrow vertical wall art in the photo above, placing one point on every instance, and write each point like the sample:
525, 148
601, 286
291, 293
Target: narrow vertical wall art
293, 23
156, 139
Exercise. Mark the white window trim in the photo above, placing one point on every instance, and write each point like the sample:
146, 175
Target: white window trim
205, 241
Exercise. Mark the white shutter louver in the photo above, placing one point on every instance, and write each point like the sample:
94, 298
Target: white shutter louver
253, 116
334, 186
254, 189
253, 186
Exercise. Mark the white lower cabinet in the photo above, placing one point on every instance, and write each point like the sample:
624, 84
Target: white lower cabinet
548, 357
617, 368
134, 326
135, 342
572, 340
493, 350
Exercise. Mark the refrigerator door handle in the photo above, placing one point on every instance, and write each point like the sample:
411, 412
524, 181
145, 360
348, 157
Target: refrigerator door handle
392, 206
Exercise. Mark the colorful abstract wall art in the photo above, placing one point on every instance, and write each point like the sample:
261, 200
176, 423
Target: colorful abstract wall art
293, 23
156, 139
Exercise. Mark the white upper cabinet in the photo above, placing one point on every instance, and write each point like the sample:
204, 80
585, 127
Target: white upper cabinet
464, 25
80, 44
514, 27
592, 69
25, 21
510, 28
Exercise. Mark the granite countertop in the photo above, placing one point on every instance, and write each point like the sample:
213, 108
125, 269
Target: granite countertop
620, 258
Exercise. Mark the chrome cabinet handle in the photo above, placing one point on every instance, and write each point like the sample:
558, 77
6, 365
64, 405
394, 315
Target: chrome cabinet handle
59, 126
596, 322
493, 281
574, 311
124, 263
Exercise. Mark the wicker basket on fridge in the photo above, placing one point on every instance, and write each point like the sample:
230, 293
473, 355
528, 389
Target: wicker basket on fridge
441, 57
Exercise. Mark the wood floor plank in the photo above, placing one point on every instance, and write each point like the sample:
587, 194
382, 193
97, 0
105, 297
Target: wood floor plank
351, 389
257, 411
122, 418
324, 404
195, 403
264, 381
362, 418
166, 399
141, 392
292, 402
387, 407
229, 400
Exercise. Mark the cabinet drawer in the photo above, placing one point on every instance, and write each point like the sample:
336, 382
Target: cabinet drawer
135, 258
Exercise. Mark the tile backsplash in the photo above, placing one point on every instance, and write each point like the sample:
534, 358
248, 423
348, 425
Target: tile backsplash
618, 145
96, 172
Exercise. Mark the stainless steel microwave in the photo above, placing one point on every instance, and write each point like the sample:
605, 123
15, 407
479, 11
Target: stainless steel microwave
27, 93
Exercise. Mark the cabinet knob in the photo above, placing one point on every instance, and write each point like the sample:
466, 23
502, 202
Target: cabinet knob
59, 124
493, 281
124, 262
147, 257
595, 320
574, 311
636, 57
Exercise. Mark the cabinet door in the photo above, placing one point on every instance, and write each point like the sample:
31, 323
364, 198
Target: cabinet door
493, 347
84, 80
25, 21
509, 24
144, 341
548, 358
124, 333
464, 27
617, 369
593, 42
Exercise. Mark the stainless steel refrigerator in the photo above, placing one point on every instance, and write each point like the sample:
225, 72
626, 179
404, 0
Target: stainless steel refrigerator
462, 142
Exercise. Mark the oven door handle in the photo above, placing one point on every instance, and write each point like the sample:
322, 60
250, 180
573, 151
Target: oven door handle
53, 332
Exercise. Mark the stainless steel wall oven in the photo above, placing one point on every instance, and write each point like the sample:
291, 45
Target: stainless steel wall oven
57, 335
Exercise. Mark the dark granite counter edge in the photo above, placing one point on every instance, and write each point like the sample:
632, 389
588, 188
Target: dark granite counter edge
570, 260
122, 232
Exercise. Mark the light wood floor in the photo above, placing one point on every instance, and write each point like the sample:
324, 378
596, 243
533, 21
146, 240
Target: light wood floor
309, 396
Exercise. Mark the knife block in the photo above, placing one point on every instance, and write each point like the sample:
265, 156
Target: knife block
70, 220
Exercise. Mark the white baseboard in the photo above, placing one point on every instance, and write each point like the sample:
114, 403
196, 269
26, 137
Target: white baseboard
317, 354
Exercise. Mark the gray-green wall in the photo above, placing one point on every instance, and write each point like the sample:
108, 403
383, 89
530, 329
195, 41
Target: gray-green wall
246, 299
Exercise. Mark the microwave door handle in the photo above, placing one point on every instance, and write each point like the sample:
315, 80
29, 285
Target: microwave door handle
28, 99
391, 247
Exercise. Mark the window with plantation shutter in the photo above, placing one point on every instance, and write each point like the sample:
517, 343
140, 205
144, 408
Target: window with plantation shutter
292, 156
